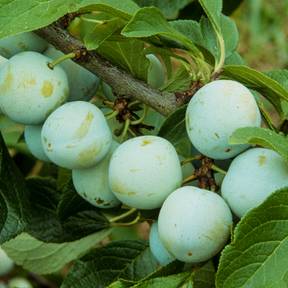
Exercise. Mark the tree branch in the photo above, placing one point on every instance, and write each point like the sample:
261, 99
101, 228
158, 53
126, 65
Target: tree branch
122, 82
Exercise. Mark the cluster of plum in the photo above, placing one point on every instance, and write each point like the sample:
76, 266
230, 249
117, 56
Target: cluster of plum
143, 172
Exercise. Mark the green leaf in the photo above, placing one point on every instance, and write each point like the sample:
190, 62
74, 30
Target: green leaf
170, 8
258, 81
18, 16
149, 21
65, 222
14, 205
128, 54
257, 256
213, 10
203, 35
180, 81
234, 59
205, 276
128, 260
46, 258
263, 137
94, 34
174, 130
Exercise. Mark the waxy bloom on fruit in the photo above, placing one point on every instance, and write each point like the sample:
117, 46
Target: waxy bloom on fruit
32, 135
144, 171
76, 135
252, 177
92, 183
6, 264
29, 89
27, 41
215, 112
158, 250
194, 224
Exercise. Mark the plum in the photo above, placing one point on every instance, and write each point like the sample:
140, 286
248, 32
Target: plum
252, 177
194, 224
27, 41
32, 135
143, 171
158, 250
76, 135
6, 264
29, 89
83, 84
215, 112
92, 183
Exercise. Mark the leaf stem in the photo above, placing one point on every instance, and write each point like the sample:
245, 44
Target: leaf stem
133, 222
111, 115
57, 61
219, 64
122, 216
190, 159
189, 179
218, 169
141, 119
125, 130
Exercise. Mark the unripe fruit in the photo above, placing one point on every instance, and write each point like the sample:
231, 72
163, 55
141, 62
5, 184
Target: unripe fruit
76, 135
194, 224
158, 250
82, 83
27, 41
215, 112
143, 171
2, 60
6, 264
32, 135
29, 89
156, 74
252, 177
19, 282
92, 183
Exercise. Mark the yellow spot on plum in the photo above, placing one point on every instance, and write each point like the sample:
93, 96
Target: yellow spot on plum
47, 89
82, 131
146, 142
8, 80
262, 160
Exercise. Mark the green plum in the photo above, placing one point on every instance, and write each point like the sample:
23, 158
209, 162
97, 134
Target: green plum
252, 177
156, 73
194, 224
32, 135
83, 84
92, 183
215, 112
158, 250
19, 282
76, 135
143, 171
27, 41
29, 89
6, 264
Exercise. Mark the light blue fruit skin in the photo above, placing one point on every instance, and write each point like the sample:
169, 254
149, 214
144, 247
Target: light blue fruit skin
143, 171
2, 61
215, 112
32, 135
92, 183
6, 264
158, 250
27, 41
156, 73
76, 135
19, 282
29, 89
194, 224
83, 84
252, 177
